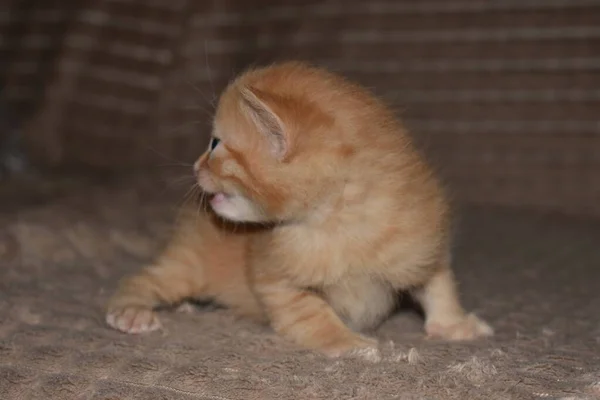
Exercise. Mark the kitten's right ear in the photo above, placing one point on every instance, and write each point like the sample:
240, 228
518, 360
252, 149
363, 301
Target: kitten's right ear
262, 109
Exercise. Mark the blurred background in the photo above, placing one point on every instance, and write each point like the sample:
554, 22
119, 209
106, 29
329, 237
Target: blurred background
104, 105
501, 95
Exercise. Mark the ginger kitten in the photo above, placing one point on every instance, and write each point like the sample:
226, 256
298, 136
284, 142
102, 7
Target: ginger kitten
349, 214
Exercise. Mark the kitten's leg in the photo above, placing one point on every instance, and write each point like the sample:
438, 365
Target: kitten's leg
177, 275
305, 318
362, 303
444, 315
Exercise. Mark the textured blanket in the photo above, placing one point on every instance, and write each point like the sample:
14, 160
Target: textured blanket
536, 278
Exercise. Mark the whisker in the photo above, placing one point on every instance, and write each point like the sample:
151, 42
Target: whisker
208, 100
189, 195
202, 205
180, 180
175, 165
208, 112
210, 79
167, 158
175, 129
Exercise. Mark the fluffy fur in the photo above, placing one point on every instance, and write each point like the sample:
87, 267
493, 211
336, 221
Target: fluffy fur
349, 215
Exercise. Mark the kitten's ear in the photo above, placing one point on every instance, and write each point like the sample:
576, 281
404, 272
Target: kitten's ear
262, 108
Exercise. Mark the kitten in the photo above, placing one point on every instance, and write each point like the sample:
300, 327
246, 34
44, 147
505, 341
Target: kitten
348, 215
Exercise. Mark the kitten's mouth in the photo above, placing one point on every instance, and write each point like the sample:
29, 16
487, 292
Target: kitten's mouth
235, 207
219, 198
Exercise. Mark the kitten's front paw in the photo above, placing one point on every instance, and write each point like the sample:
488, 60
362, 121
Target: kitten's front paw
355, 346
133, 319
468, 327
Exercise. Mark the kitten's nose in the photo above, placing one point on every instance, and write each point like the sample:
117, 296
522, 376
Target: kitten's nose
197, 167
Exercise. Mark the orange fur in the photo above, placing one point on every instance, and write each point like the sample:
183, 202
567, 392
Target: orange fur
351, 215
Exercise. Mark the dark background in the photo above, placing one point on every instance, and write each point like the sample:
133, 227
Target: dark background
502, 95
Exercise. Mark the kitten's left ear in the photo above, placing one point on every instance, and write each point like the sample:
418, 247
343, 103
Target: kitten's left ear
265, 109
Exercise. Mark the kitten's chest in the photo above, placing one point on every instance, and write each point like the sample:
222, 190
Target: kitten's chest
313, 257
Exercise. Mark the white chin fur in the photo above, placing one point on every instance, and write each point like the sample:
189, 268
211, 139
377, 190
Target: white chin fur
237, 208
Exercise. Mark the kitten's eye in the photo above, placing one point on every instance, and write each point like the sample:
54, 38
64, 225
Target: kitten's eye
214, 142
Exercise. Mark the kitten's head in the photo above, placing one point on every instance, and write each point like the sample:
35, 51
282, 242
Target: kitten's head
277, 150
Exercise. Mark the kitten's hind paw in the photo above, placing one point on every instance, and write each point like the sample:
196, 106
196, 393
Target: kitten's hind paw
354, 347
133, 319
469, 327
370, 354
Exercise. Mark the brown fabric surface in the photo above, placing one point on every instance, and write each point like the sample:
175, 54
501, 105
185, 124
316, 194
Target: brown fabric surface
503, 95
63, 245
